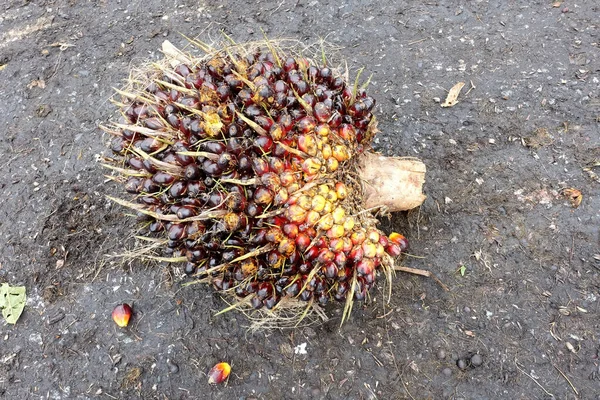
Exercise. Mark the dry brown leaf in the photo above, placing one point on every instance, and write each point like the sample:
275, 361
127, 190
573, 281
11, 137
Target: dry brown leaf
574, 196
452, 97
37, 83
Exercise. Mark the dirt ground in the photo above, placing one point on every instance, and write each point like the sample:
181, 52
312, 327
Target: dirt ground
521, 320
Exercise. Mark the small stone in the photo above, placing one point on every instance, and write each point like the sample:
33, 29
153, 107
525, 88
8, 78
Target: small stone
462, 364
476, 360
173, 368
466, 310
447, 371
441, 354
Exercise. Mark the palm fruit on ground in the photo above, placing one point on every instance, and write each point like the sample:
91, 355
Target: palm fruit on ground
248, 165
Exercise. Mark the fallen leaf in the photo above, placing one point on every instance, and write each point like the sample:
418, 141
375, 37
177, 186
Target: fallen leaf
37, 83
574, 196
62, 46
452, 97
12, 302
556, 4
3, 66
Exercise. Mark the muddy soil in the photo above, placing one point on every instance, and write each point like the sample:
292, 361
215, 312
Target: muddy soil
521, 320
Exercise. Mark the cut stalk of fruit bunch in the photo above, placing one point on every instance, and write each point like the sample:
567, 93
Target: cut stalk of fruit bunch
253, 165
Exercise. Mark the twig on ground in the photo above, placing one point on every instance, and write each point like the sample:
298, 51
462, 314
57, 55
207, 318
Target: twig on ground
422, 272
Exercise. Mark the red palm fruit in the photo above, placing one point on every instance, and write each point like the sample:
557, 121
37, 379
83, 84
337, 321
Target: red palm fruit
253, 209
323, 130
321, 242
311, 253
294, 187
274, 259
373, 236
347, 244
369, 249
287, 178
342, 290
281, 196
270, 302
336, 245
369, 278
248, 267
325, 256
311, 166
121, 314
321, 112
306, 125
276, 165
312, 218
340, 259
365, 266
186, 212
274, 235
163, 178
326, 222
271, 180
265, 289
276, 132
336, 231
262, 195
307, 144
293, 289
305, 267
256, 303
400, 240
290, 230
393, 250
304, 201
234, 222
306, 295
340, 152
295, 213
383, 240
358, 237
286, 247
302, 241
260, 166
330, 270
356, 254
219, 373
176, 232
347, 132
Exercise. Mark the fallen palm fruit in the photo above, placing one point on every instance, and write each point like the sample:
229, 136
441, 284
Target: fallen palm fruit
252, 167
121, 314
219, 373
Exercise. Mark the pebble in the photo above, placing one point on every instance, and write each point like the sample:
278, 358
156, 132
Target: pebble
462, 364
476, 360
173, 368
447, 371
441, 354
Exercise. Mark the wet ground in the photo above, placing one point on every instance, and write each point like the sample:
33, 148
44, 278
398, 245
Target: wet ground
521, 319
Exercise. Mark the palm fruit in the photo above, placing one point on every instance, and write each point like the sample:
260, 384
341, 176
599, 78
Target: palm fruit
240, 162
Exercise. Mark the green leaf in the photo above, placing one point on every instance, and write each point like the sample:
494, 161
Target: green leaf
462, 270
12, 302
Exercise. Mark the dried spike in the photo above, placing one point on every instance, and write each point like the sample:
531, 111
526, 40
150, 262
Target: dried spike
163, 136
257, 128
174, 53
134, 96
205, 215
126, 171
201, 45
181, 89
355, 87
172, 169
205, 154
249, 83
349, 300
271, 48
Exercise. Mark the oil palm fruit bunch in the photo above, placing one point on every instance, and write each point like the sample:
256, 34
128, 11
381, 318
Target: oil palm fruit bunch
251, 167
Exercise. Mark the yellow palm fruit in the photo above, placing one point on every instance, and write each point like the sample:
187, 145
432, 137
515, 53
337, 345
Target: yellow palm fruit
349, 224
339, 215
326, 222
318, 203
